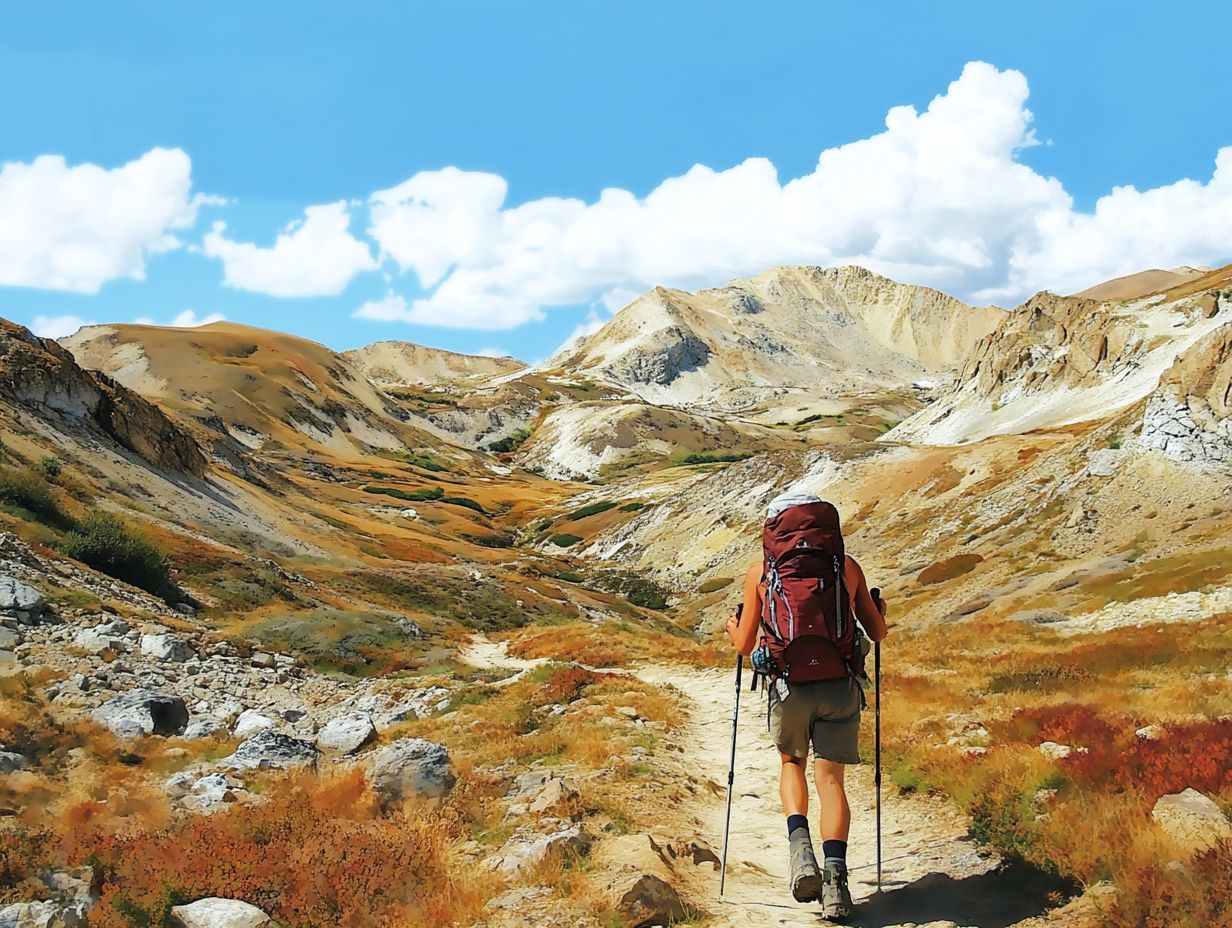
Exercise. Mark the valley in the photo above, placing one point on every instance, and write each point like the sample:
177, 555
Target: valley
467, 614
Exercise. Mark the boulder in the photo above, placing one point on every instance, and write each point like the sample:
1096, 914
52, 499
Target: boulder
219, 913
9, 761
1192, 820
413, 767
250, 722
8, 639
204, 726
347, 734
166, 648
21, 601
645, 899
142, 712
73, 892
98, 641
554, 792
523, 852
268, 749
1054, 751
262, 660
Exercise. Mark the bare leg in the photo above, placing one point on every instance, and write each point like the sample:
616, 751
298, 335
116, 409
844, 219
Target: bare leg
793, 785
835, 812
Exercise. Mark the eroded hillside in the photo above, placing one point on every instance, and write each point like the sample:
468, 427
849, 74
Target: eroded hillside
460, 592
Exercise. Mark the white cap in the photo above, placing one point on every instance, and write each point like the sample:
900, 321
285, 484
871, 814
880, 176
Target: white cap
787, 500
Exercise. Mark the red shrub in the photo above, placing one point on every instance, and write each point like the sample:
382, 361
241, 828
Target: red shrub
1068, 723
567, 684
1159, 898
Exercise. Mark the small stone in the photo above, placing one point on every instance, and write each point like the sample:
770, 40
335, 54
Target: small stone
262, 659
1055, 751
554, 792
627, 711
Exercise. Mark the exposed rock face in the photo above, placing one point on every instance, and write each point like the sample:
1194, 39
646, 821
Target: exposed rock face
220, 913
1058, 360
844, 330
664, 356
413, 767
41, 375
1189, 417
166, 648
141, 712
73, 898
523, 852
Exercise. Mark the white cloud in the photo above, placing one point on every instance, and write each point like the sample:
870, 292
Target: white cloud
315, 256
57, 326
939, 198
186, 319
493, 353
76, 227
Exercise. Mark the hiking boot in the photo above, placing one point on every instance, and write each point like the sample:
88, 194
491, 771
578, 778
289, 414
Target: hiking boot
835, 896
805, 877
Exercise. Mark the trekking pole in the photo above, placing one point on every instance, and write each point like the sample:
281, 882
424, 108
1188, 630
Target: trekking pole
877, 740
731, 774
877, 733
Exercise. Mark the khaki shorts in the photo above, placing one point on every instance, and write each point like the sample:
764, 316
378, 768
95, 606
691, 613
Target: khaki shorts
826, 713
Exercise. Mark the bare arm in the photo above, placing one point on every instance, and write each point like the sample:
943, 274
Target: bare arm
742, 627
869, 616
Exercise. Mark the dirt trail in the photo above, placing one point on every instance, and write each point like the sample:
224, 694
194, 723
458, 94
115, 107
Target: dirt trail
932, 871
932, 874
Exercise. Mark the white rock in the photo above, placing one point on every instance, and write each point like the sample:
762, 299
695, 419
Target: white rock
220, 913
166, 648
347, 734
1191, 819
1055, 751
250, 722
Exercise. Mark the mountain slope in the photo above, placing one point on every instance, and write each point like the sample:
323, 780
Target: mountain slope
1143, 283
1058, 360
839, 330
401, 364
257, 386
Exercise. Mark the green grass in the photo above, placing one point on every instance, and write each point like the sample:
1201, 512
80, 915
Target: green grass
565, 540
635, 506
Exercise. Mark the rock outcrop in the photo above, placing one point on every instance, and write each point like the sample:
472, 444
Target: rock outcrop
219, 913
141, 712
1189, 416
42, 376
1191, 820
413, 767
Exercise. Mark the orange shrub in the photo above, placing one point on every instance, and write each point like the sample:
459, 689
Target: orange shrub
1198, 897
310, 855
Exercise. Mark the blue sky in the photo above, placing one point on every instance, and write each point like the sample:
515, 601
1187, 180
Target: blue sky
498, 125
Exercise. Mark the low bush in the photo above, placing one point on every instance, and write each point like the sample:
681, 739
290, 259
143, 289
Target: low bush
51, 467
426, 494
590, 509
27, 489
465, 502
105, 543
565, 540
709, 457
635, 506
510, 442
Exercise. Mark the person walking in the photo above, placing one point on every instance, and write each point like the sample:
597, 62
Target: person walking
797, 624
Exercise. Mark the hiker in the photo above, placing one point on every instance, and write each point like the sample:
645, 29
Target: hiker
797, 619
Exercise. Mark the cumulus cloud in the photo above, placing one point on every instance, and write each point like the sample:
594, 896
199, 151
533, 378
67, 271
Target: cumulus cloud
939, 197
315, 256
57, 326
185, 319
75, 227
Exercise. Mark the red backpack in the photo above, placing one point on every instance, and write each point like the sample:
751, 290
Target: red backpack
806, 614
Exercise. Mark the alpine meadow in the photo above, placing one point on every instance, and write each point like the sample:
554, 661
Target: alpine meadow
852, 548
